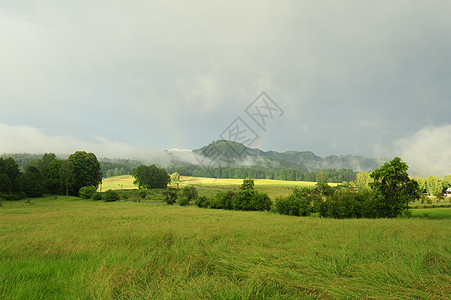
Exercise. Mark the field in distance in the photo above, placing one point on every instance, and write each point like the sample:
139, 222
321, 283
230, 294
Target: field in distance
83, 249
209, 186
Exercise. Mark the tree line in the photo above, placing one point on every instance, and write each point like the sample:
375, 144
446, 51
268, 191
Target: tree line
387, 196
240, 172
431, 185
48, 175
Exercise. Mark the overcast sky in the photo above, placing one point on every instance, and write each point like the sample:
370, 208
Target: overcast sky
123, 78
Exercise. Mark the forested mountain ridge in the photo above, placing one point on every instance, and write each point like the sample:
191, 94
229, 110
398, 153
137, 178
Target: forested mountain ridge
235, 154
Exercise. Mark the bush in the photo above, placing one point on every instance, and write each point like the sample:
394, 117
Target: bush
297, 204
142, 194
87, 191
261, 202
342, 204
350, 204
183, 201
223, 200
111, 196
96, 196
190, 193
203, 201
369, 204
13, 196
170, 196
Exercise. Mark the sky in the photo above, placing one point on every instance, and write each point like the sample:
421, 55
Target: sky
130, 78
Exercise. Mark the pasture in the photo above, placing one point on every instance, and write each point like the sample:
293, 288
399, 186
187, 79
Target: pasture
82, 249
210, 186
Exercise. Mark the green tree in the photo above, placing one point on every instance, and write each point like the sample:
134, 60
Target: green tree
434, 186
446, 181
393, 188
33, 182
52, 175
67, 175
5, 183
322, 185
86, 170
175, 177
422, 183
363, 180
10, 168
150, 177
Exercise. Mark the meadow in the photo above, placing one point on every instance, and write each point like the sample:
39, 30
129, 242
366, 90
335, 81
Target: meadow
64, 247
210, 186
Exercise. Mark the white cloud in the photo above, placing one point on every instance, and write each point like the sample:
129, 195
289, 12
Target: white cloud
428, 151
23, 138
27, 139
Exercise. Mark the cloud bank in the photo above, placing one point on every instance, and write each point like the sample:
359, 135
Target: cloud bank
427, 151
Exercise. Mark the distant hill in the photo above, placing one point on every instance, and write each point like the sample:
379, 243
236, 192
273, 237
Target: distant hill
235, 154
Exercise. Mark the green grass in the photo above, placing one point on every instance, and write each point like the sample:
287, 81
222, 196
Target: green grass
75, 249
432, 213
210, 186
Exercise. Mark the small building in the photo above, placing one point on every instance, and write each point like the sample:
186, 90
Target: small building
448, 192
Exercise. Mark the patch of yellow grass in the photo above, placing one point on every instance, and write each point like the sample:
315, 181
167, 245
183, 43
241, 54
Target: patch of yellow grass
118, 182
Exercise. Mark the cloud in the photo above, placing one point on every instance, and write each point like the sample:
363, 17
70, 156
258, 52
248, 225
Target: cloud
175, 73
23, 138
427, 151
27, 139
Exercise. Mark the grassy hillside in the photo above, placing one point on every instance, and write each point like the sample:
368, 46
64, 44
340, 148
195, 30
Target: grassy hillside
69, 248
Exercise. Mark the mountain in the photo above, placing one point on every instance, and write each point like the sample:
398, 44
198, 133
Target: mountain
229, 153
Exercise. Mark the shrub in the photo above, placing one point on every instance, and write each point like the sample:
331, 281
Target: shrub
183, 201
111, 196
317, 201
261, 202
342, 204
87, 191
297, 204
142, 194
96, 196
190, 193
223, 200
369, 204
170, 196
351, 204
203, 201
13, 196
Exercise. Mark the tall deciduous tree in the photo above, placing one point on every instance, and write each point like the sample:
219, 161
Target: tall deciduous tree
434, 185
86, 169
150, 177
67, 175
33, 183
363, 180
10, 168
421, 183
393, 188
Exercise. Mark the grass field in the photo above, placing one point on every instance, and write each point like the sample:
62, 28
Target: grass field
210, 186
76, 249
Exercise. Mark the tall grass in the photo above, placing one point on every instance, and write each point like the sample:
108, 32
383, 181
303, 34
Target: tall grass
69, 248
